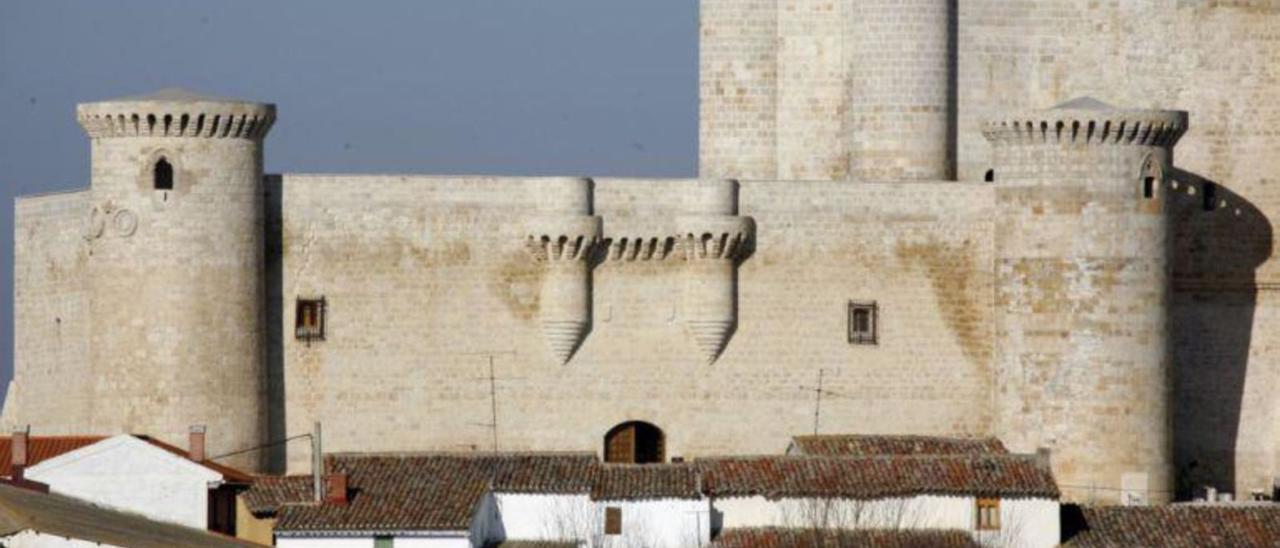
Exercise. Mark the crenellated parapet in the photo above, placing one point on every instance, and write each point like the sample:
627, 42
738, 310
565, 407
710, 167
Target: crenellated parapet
564, 238
1089, 122
630, 249
176, 113
715, 237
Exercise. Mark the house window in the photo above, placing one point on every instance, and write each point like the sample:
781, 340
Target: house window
634, 442
988, 514
862, 322
613, 520
383, 541
163, 175
309, 320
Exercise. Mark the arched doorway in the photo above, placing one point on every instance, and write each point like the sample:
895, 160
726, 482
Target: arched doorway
634, 442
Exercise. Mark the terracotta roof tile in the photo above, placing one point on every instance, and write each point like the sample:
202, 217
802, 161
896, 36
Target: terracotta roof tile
809, 538
1180, 526
41, 448
646, 481
868, 445
875, 477
432, 492
268, 493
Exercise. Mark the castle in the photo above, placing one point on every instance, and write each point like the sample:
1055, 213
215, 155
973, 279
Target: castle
889, 234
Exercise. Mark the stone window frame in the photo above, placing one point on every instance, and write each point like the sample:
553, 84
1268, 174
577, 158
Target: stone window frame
315, 329
871, 335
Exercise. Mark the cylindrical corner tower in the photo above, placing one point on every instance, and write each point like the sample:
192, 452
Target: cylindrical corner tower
902, 95
176, 267
1082, 358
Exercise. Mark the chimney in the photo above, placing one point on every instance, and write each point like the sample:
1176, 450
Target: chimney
195, 445
18, 450
336, 489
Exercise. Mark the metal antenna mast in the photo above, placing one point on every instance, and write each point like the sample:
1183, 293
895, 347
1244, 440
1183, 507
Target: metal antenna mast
493, 393
817, 404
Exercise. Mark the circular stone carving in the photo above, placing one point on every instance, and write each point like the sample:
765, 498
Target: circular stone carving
125, 223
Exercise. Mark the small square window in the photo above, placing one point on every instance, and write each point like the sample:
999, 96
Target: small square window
613, 520
308, 323
381, 541
988, 514
862, 322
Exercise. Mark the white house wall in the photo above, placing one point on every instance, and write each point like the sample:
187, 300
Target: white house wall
1025, 522
458, 541
548, 517
661, 523
129, 474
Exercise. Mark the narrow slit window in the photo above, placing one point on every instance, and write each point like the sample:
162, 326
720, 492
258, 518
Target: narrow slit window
163, 175
309, 320
1148, 187
991, 176
1210, 195
862, 322
613, 520
988, 514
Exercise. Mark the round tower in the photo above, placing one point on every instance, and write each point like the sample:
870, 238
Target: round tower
176, 267
1082, 359
902, 89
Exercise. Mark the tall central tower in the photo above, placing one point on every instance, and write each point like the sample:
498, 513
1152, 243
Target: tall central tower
176, 256
827, 89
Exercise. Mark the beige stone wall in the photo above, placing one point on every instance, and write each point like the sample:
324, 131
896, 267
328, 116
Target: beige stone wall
827, 90
424, 275
1216, 60
50, 390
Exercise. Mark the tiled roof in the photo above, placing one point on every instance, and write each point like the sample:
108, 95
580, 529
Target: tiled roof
875, 477
1180, 526
228, 473
646, 481
867, 445
42, 448
60, 516
268, 493
810, 538
432, 492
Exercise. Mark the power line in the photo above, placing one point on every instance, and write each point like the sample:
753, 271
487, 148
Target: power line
263, 446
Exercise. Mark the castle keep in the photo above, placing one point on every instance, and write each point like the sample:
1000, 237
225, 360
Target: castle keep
887, 208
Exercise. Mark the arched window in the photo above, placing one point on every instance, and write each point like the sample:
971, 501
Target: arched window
990, 177
634, 442
163, 175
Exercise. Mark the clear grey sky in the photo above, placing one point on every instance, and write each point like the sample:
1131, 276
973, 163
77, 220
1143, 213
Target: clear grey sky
535, 87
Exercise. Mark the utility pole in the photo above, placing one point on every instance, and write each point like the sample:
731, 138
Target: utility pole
317, 463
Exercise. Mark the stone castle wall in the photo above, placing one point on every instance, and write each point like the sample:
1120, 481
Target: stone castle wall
1216, 60
50, 389
425, 275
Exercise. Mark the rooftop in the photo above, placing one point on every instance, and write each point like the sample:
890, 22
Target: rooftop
40, 448
811, 538
174, 95
1180, 526
60, 516
867, 445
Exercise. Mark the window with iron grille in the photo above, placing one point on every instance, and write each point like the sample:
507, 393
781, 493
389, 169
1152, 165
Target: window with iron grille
862, 322
613, 520
308, 322
988, 511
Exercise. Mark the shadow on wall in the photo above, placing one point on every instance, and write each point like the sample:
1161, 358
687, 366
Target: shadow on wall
1220, 239
277, 457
